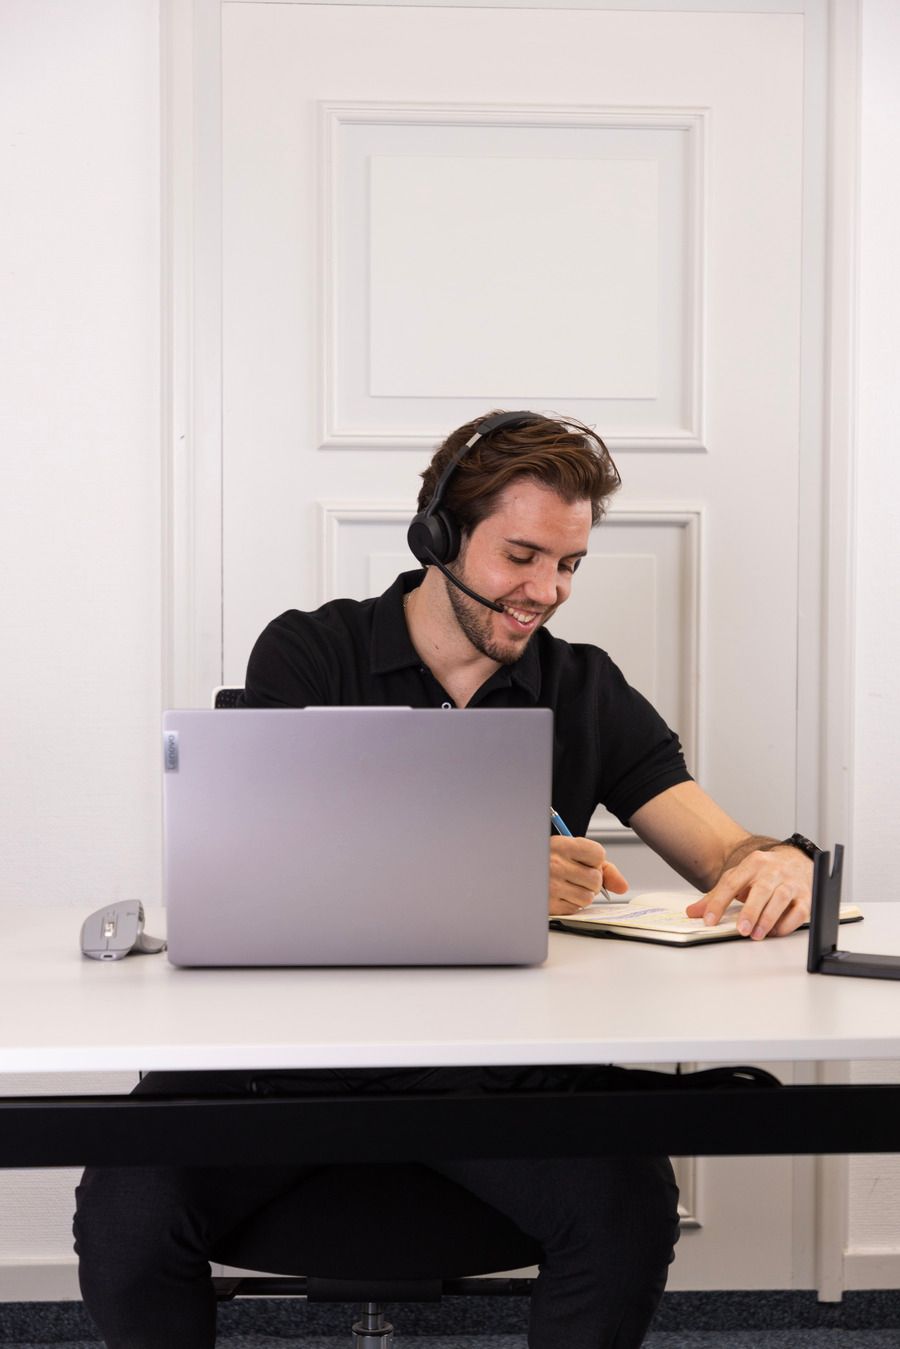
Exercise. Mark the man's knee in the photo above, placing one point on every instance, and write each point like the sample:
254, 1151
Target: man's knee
643, 1205
127, 1218
623, 1211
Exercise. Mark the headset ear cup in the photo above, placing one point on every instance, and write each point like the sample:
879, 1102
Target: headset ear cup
424, 537
450, 534
433, 536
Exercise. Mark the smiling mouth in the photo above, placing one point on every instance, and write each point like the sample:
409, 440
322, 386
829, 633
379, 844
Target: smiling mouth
524, 618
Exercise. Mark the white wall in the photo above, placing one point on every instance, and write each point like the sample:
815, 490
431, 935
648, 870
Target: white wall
876, 780
874, 1218
79, 366
79, 490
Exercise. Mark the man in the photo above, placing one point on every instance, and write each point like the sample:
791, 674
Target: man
505, 513
524, 498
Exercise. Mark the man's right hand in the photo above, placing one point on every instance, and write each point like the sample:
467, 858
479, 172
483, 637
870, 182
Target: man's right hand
578, 870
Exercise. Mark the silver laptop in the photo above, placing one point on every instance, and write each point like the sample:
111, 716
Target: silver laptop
357, 836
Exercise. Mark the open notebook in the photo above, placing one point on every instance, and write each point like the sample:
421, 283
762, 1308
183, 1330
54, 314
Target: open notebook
659, 916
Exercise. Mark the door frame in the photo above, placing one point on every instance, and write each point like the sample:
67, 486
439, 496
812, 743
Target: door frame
192, 396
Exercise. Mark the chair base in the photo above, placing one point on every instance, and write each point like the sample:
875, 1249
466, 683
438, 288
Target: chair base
372, 1331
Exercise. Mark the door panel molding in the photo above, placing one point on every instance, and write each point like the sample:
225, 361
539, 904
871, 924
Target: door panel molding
643, 179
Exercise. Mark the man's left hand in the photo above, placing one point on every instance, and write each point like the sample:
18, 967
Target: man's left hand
774, 887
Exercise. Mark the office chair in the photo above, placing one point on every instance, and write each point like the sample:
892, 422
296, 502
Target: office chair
226, 696
372, 1234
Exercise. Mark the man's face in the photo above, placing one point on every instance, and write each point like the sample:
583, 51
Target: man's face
523, 556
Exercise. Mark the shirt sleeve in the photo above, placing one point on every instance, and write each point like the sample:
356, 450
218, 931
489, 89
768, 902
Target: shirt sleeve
288, 666
641, 755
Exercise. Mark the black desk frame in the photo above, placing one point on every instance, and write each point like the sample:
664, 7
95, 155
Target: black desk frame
232, 1131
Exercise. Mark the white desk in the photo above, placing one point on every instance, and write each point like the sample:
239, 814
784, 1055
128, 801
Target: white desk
593, 1002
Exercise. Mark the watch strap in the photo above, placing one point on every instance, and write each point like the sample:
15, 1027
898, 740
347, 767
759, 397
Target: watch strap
804, 844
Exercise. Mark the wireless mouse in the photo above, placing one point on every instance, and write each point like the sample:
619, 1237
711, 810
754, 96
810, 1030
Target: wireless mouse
116, 931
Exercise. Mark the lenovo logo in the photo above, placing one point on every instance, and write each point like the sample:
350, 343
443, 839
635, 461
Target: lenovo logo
170, 751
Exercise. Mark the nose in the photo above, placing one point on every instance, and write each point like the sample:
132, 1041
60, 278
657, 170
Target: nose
545, 585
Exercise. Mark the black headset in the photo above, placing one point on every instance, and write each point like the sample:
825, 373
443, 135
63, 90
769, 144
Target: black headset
434, 535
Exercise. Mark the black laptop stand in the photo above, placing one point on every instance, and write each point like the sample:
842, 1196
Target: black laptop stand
824, 956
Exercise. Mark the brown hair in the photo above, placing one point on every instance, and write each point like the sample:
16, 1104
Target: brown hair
556, 452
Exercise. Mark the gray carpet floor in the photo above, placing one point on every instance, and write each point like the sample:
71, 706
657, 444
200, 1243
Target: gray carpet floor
684, 1339
663, 1340
773, 1320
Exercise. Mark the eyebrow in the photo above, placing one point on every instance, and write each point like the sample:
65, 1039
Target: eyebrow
538, 548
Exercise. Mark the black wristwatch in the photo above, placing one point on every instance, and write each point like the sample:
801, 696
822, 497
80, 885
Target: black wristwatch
805, 845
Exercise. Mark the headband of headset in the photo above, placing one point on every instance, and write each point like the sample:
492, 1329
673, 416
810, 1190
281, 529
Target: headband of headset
434, 535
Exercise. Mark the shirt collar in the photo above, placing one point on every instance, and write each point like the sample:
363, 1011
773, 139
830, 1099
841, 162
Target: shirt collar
391, 649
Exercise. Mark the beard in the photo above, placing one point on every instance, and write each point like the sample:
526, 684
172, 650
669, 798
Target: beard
476, 622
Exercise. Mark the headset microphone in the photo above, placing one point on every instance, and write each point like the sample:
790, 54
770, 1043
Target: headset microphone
460, 585
434, 535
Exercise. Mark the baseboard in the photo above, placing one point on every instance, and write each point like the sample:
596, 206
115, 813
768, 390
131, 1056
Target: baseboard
865, 1270
34, 1279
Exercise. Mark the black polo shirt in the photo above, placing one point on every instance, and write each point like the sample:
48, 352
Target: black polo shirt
610, 746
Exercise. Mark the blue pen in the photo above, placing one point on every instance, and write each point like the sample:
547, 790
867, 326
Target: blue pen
561, 827
559, 823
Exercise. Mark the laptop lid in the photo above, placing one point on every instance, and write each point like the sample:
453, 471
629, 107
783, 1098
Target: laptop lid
357, 836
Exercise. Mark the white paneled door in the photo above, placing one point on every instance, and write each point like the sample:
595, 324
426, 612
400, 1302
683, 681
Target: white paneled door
432, 212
